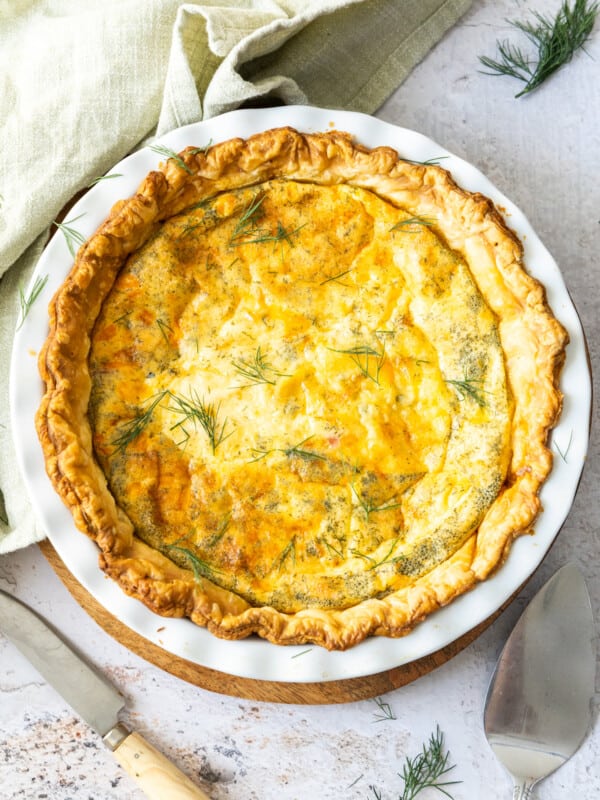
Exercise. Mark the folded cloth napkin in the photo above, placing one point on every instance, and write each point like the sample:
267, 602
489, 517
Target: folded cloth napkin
84, 83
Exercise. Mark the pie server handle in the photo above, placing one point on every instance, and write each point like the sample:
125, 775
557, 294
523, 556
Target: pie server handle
156, 776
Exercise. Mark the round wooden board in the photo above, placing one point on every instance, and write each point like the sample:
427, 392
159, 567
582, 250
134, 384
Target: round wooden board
341, 691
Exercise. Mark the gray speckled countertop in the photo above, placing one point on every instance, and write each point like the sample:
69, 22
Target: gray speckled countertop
543, 152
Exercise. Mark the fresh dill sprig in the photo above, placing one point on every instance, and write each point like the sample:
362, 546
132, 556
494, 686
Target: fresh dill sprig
366, 358
468, 388
330, 548
289, 551
308, 455
258, 371
246, 224
428, 163
247, 230
195, 150
122, 318
563, 453
26, 301
295, 450
167, 153
104, 178
355, 781
196, 410
220, 532
387, 559
133, 428
385, 712
369, 507
200, 568
556, 41
187, 229
336, 277
73, 237
425, 770
408, 225
163, 328
302, 652
260, 236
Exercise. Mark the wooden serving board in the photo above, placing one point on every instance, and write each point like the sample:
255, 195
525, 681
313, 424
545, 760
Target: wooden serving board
340, 691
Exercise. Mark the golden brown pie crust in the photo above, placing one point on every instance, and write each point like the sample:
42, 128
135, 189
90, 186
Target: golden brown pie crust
328, 593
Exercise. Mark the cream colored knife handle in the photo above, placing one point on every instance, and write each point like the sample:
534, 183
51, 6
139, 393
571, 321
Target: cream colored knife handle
158, 778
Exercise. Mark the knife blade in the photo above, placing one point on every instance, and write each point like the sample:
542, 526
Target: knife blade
538, 705
94, 699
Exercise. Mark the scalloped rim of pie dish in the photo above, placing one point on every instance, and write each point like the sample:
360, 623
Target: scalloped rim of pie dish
533, 342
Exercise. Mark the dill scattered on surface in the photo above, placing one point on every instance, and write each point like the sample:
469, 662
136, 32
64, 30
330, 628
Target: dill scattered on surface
163, 328
366, 358
425, 770
385, 711
122, 318
195, 150
248, 231
336, 277
468, 388
200, 568
195, 410
27, 301
73, 237
220, 532
411, 224
564, 453
167, 153
302, 652
355, 781
299, 452
428, 163
200, 204
247, 222
556, 40
262, 236
187, 229
258, 371
369, 507
331, 549
387, 559
295, 450
289, 551
133, 428
105, 178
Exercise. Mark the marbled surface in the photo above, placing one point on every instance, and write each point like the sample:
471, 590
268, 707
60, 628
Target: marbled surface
543, 152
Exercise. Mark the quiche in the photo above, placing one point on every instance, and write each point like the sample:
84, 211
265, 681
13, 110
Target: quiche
300, 388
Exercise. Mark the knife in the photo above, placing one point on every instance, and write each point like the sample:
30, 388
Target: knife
89, 693
538, 706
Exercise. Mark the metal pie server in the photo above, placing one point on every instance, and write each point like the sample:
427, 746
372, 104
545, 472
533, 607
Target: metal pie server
95, 700
538, 706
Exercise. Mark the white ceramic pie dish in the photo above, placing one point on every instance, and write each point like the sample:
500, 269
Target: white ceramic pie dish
253, 657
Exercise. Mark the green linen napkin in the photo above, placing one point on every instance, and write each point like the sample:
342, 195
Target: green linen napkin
83, 83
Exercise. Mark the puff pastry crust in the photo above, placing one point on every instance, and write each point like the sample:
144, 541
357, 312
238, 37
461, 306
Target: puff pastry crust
299, 388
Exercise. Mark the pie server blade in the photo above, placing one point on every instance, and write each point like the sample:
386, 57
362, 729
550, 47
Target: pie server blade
90, 694
538, 706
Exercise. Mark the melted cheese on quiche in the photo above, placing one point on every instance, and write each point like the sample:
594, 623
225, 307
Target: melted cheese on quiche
299, 393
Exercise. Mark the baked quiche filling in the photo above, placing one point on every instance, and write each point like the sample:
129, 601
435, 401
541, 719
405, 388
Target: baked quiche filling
304, 405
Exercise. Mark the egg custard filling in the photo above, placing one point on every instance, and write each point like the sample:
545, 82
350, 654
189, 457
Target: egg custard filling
299, 388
